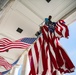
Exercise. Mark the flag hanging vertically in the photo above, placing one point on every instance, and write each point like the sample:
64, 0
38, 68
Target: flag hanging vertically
47, 56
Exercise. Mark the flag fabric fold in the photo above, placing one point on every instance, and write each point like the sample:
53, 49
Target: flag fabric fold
47, 56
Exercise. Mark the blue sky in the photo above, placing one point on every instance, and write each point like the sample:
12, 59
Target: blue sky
70, 44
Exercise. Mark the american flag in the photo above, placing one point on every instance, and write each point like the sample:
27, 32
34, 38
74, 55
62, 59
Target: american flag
5, 64
7, 44
47, 56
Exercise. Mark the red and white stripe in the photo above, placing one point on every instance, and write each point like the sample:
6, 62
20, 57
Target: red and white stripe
35, 55
61, 29
6, 44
